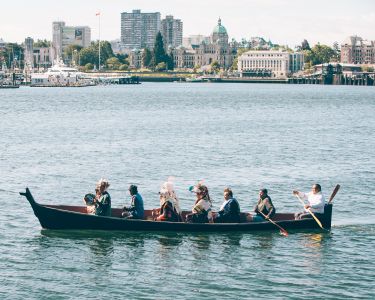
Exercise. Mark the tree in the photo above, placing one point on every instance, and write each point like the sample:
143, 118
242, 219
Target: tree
159, 51
170, 61
113, 63
89, 67
147, 58
235, 61
319, 54
91, 53
71, 51
42, 44
305, 45
162, 66
124, 67
215, 66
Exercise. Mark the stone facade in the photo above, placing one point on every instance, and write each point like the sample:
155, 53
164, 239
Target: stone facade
355, 50
218, 50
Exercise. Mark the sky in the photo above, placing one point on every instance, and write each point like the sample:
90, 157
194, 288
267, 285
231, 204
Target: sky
285, 22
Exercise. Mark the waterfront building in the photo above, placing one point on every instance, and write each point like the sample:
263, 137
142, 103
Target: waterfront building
171, 30
274, 64
138, 30
216, 50
64, 36
355, 50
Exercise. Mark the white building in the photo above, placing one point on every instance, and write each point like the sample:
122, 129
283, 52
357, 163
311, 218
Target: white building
64, 36
171, 30
276, 64
139, 30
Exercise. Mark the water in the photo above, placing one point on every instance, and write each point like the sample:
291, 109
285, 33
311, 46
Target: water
60, 141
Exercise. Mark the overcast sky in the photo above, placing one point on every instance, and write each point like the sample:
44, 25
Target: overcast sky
281, 21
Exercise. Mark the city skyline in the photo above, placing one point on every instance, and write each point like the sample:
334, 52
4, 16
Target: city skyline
282, 21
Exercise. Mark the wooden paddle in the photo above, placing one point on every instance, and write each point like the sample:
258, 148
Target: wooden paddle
311, 213
336, 189
282, 230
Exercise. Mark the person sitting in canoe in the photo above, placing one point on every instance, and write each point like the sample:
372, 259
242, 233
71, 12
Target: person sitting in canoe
135, 210
201, 211
169, 204
264, 209
315, 201
230, 209
100, 204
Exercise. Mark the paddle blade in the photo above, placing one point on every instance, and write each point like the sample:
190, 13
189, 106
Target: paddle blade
334, 193
284, 233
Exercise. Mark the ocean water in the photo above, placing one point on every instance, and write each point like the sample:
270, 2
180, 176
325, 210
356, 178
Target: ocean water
60, 141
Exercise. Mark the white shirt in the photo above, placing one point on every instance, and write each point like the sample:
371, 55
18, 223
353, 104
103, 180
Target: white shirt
316, 201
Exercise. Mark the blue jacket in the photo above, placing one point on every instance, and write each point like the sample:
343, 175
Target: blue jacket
230, 213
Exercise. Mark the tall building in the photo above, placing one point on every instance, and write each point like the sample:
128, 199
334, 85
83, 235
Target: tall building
171, 29
28, 54
355, 50
138, 30
64, 36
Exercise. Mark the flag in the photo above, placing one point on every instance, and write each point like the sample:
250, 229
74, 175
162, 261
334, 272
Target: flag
97, 14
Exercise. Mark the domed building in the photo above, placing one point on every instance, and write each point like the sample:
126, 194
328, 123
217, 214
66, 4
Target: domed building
218, 50
219, 34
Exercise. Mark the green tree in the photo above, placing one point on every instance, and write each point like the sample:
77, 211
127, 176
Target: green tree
215, 66
124, 67
159, 51
235, 61
71, 53
170, 61
147, 58
162, 66
319, 54
89, 67
305, 45
42, 44
113, 63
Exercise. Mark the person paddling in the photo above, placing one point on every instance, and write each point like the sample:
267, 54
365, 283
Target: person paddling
264, 209
315, 201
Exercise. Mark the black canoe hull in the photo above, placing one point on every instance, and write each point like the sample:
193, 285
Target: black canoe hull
61, 218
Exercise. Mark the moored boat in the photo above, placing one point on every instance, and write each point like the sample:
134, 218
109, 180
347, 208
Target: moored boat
76, 217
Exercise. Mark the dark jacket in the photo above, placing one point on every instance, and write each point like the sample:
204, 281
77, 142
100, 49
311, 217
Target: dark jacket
265, 206
230, 213
103, 205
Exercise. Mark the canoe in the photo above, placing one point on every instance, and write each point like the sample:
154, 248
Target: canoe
76, 217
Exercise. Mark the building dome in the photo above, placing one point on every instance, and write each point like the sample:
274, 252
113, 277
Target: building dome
219, 29
219, 35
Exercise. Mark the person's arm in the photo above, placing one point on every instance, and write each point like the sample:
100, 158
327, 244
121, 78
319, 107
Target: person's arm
269, 207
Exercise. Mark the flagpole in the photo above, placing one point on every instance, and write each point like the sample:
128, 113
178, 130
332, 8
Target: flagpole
99, 39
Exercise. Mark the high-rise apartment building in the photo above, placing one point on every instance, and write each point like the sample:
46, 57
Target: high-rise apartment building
138, 30
63, 36
171, 29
